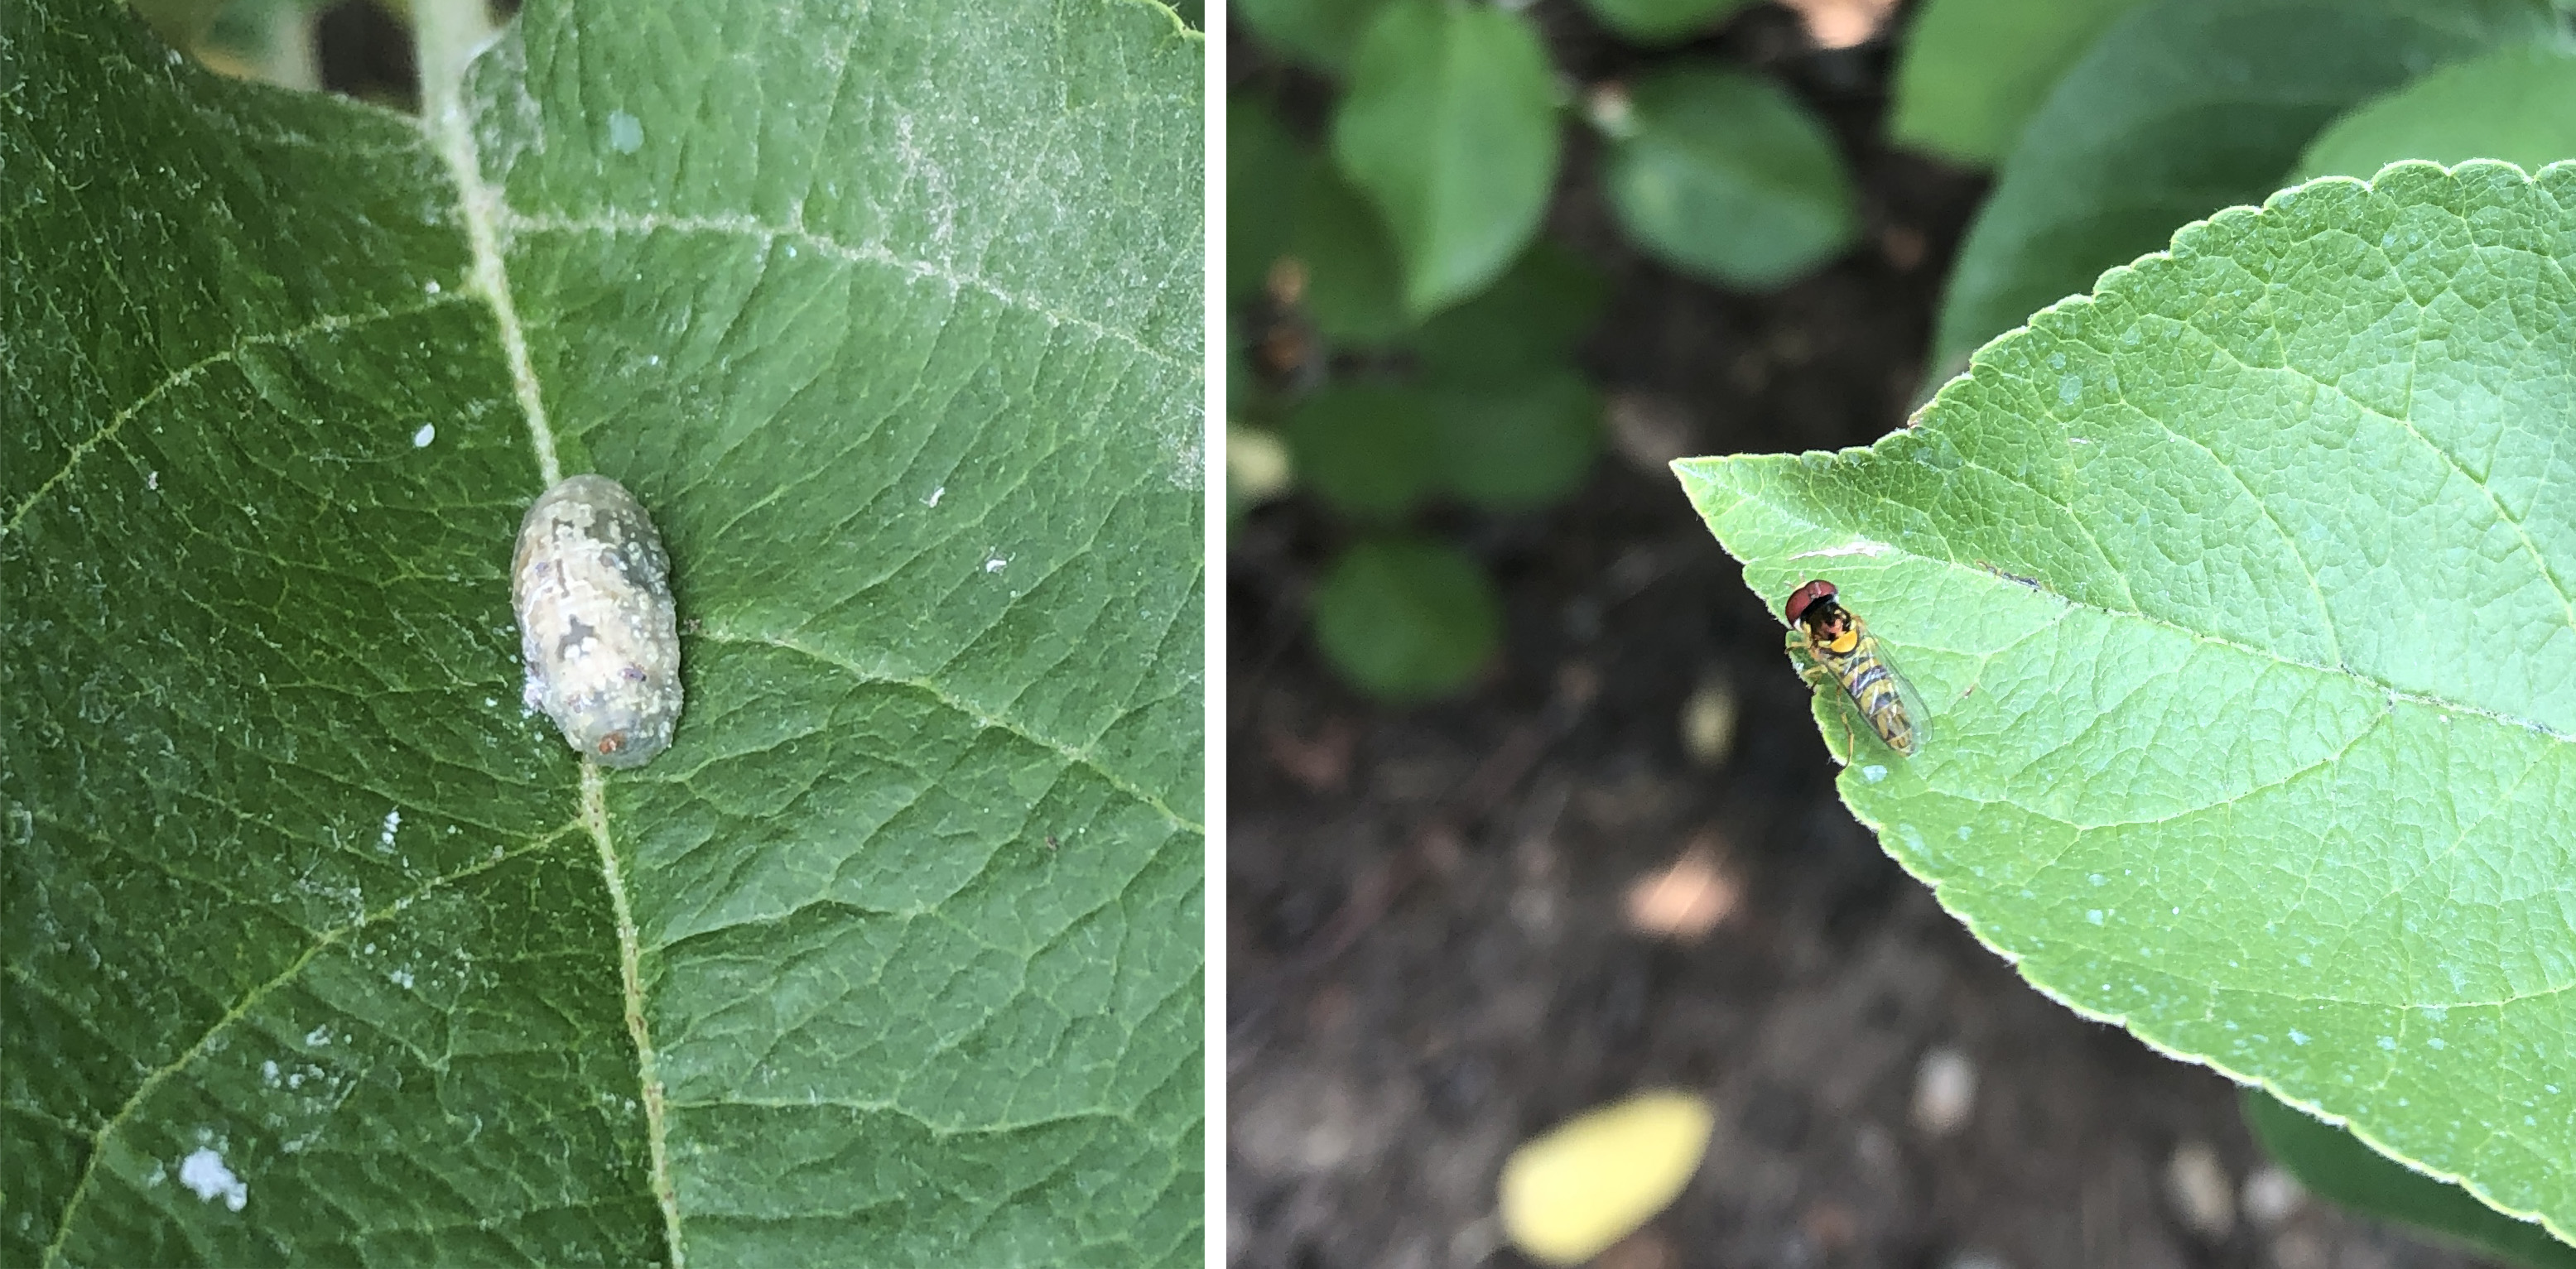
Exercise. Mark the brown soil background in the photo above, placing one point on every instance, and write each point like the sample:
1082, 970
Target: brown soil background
1429, 958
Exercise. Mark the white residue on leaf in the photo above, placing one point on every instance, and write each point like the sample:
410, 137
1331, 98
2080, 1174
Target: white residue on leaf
625, 132
935, 496
204, 1172
1188, 452
152, 480
1873, 773
318, 1037
428, 432
268, 1072
995, 564
385, 840
401, 978
431, 286
1862, 547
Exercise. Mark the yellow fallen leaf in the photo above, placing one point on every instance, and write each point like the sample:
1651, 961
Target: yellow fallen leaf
1568, 1193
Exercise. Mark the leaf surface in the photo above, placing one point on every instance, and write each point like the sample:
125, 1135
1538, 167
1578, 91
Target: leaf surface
2242, 598
319, 947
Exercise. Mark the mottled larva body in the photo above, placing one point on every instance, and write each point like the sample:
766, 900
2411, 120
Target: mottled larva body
597, 627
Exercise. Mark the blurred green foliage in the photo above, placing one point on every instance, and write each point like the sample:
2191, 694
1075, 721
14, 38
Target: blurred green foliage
1723, 175
1448, 125
1369, 449
267, 40
2517, 104
1411, 335
1407, 618
1318, 34
1974, 71
1662, 21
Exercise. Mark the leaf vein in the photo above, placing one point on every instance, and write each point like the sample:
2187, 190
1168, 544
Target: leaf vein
1072, 753
871, 254
185, 375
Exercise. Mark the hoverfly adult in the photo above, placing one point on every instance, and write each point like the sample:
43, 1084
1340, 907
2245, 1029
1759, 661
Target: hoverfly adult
1835, 641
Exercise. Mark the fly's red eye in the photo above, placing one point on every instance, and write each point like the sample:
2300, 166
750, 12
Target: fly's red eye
1805, 597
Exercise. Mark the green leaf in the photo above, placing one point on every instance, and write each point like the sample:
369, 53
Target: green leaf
1661, 21
1265, 167
1974, 71
2516, 104
1370, 449
181, 23
319, 948
1354, 286
2333, 1163
1317, 33
274, 41
1449, 127
1407, 619
2185, 107
1527, 322
1517, 443
2242, 599
1725, 176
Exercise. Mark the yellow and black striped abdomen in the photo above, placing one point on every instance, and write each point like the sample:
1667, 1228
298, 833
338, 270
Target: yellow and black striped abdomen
1866, 678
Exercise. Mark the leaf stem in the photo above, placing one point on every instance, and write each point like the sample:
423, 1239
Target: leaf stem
447, 34
594, 812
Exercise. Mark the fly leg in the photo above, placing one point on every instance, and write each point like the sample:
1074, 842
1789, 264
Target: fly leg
1818, 676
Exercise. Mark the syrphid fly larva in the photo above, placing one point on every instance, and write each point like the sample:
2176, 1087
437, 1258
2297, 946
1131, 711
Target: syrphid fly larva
597, 625
1836, 642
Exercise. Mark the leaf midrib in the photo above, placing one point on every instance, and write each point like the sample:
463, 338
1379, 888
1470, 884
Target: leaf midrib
449, 35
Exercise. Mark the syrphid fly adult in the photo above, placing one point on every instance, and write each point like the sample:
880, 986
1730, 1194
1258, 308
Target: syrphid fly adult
1835, 641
